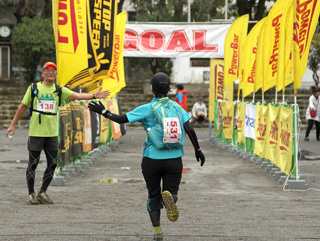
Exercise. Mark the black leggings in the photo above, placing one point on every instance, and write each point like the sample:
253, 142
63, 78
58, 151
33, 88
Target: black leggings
167, 170
34, 157
310, 125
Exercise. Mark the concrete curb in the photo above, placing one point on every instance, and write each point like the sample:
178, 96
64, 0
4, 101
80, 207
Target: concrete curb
280, 177
61, 178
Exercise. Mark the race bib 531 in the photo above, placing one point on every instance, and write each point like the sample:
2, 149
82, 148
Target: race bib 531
171, 130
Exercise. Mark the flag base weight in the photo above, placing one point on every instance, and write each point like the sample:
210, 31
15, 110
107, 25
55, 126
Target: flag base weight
57, 181
278, 174
296, 184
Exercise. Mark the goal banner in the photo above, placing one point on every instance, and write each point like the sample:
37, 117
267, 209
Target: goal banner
167, 41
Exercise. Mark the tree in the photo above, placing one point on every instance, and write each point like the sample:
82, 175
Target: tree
206, 10
314, 58
160, 11
47, 9
255, 8
26, 8
21, 8
175, 10
120, 5
33, 39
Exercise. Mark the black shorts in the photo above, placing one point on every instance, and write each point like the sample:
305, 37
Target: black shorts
155, 171
38, 143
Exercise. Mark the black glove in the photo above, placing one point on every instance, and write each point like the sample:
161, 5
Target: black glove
200, 156
96, 107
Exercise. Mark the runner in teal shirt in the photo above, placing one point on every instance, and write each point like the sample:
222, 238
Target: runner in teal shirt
144, 114
158, 165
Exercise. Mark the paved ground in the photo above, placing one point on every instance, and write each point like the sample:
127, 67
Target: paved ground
226, 199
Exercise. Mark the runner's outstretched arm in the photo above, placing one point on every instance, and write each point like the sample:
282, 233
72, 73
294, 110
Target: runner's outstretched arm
194, 140
100, 109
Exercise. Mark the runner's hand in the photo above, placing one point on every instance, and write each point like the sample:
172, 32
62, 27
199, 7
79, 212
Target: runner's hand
96, 107
200, 156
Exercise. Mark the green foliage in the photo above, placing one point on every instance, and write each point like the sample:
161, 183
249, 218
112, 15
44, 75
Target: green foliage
205, 10
4, 4
31, 40
160, 11
176, 10
314, 58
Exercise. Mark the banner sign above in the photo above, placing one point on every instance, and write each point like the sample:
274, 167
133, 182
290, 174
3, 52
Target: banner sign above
167, 41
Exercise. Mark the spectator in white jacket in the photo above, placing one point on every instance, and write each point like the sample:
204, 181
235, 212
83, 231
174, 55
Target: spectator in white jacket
199, 111
312, 113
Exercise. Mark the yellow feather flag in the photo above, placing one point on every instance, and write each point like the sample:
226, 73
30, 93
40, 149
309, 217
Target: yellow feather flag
241, 68
101, 20
104, 125
227, 109
250, 55
273, 43
70, 31
285, 49
116, 77
305, 19
116, 129
260, 128
233, 44
273, 133
216, 86
241, 119
259, 59
288, 75
284, 153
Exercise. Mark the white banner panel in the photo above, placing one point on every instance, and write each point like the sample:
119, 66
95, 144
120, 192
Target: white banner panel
168, 41
250, 121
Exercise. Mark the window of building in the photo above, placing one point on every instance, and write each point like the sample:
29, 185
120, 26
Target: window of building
199, 62
4, 62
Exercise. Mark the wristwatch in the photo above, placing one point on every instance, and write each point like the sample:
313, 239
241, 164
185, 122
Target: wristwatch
103, 111
94, 96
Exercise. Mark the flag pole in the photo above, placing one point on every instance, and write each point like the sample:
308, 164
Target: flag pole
296, 135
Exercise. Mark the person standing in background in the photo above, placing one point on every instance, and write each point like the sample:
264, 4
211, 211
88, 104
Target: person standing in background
181, 97
313, 118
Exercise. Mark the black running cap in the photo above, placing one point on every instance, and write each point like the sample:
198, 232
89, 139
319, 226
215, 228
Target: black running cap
160, 79
160, 84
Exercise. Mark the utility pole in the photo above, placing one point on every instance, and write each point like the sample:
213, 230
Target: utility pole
226, 10
189, 12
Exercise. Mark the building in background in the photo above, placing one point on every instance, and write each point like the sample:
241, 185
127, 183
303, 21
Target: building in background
7, 22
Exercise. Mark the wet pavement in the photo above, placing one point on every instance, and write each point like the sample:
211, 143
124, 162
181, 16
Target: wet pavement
229, 198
